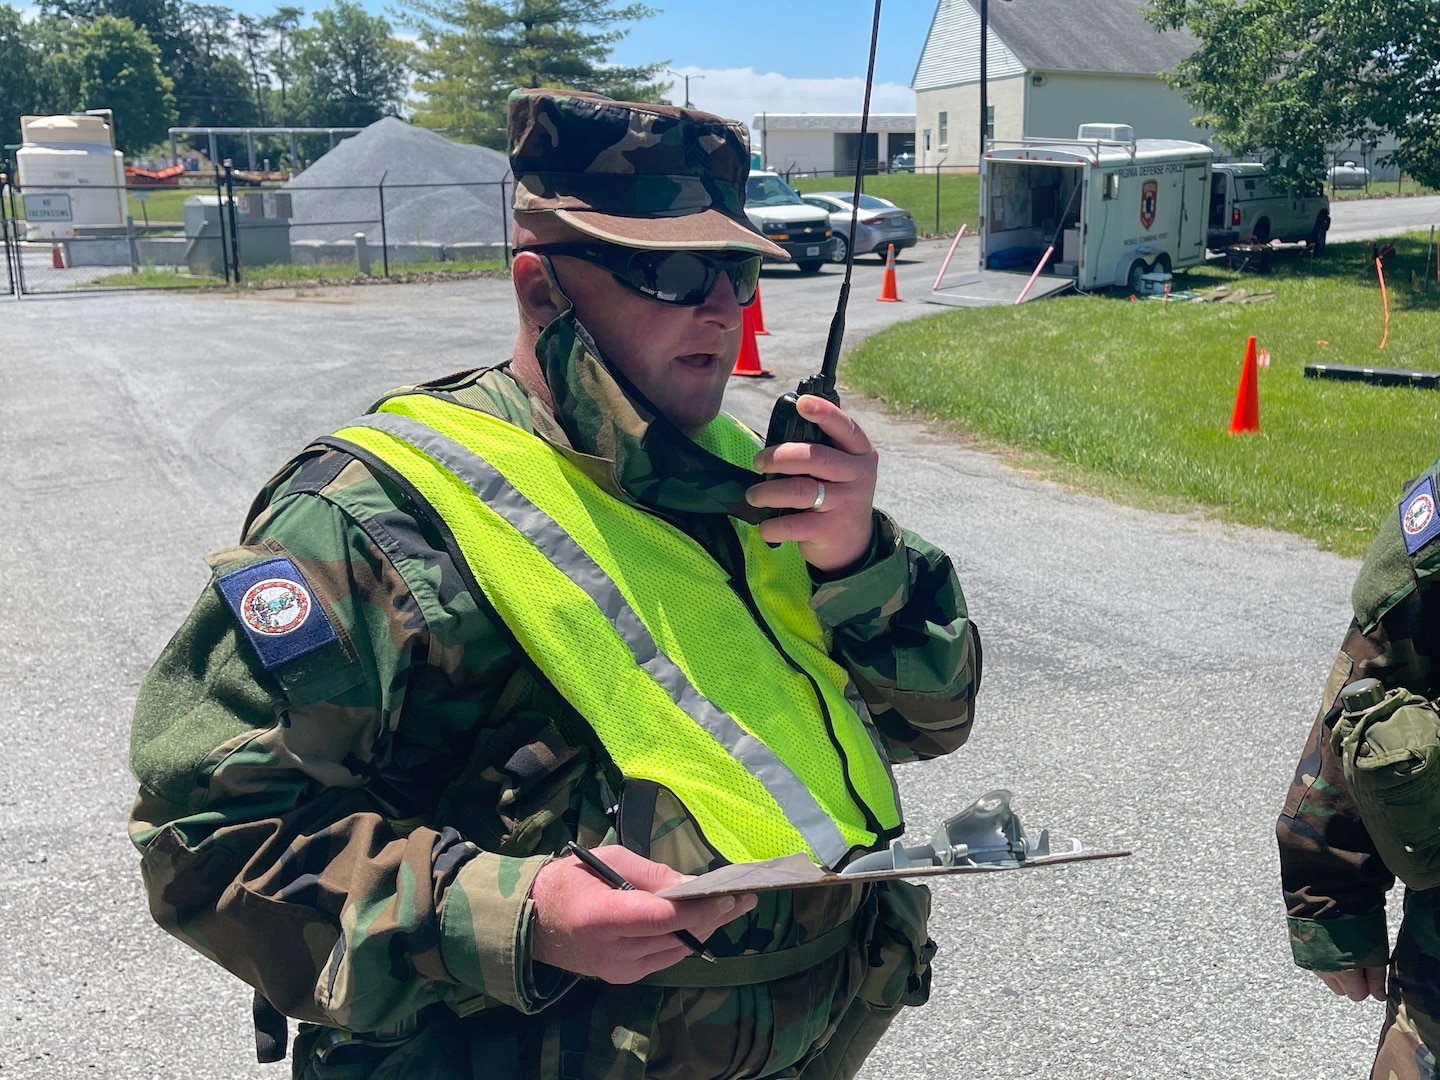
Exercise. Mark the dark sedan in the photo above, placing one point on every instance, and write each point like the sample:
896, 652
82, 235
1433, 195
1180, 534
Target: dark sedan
880, 223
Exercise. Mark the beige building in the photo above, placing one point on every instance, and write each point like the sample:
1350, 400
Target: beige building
1051, 65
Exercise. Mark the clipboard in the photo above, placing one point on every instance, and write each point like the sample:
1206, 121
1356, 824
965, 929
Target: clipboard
799, 872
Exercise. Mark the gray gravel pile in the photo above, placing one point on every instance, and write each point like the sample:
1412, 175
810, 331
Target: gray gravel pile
435, 190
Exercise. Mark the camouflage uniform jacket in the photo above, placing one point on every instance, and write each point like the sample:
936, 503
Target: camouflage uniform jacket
355, 833
1334, 882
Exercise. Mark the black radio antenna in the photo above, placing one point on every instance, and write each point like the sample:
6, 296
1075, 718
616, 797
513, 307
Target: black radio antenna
786, 424
837, 324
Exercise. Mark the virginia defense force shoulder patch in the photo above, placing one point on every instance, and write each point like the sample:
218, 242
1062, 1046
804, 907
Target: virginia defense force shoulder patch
277, 611
1419, 520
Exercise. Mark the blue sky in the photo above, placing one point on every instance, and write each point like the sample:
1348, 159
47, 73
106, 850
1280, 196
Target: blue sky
748, 56
784, 55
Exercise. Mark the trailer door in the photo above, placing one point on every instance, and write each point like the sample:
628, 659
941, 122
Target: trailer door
1194, 199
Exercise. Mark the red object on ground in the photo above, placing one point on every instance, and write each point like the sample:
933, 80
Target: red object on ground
1384, 296
748, 362
887, 287
1246, 417
166, 177
57, 258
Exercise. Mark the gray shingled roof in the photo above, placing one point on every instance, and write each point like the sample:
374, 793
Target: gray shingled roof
1086, 35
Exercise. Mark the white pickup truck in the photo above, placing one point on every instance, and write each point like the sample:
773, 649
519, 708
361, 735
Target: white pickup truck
1243, 204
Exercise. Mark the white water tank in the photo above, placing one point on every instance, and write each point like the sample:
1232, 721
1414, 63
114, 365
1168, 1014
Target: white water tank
74, 155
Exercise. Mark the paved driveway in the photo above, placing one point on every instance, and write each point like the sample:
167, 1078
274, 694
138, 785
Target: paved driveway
1148, 680
1361, 219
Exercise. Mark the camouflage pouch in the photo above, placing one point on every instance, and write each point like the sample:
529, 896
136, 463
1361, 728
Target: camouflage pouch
434, 1052
898, 954
899, 951
1389, 747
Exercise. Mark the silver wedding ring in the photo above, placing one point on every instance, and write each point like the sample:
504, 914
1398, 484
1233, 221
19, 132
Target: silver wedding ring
819, 496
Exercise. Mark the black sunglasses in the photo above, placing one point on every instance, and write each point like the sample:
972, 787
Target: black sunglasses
684, 278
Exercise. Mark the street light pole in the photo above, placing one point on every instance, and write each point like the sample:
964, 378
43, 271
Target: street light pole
984, 76
687, 79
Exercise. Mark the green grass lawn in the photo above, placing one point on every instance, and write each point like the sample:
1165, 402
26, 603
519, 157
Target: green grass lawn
152, 277
1133, 399
163, 204
1379, 189
959, 196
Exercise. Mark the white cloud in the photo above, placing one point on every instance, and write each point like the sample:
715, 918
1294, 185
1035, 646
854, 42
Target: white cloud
742, 94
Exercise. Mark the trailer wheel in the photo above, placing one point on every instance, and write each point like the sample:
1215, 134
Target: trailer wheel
1132, 279
1162, 263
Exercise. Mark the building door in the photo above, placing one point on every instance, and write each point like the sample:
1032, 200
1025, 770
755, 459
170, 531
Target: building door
847, 149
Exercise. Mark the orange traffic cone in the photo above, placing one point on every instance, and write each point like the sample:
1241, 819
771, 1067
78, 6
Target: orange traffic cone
1247, 395
887, 287
748, 362
57, 257
759, 316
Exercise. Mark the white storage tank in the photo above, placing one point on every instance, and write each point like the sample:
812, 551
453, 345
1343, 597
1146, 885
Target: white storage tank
74, 155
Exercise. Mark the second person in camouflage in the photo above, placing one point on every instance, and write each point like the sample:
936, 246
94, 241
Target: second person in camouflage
1335, 881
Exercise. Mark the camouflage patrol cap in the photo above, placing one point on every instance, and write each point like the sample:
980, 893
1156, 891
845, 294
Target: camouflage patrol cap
640, 175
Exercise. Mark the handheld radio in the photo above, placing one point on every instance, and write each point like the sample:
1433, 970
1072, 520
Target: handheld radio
786, 424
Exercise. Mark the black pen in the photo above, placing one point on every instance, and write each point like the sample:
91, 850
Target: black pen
608, 875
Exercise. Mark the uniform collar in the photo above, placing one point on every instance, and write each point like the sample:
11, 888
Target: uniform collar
607, 419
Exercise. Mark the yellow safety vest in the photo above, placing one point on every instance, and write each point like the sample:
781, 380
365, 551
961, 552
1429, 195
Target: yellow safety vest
737, 709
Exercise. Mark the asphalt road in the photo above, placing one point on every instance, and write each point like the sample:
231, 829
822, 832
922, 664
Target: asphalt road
1361, 219
1148, 681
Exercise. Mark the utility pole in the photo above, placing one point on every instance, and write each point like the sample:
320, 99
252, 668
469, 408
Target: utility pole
984, 77
687, 79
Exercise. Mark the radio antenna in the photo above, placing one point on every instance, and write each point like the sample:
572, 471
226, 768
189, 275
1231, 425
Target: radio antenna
786, 424
837, 324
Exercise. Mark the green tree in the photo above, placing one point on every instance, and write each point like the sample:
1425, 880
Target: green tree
117, 67
253, 39
476, 52
19, 59
349, 69
1287, 79
212, 85
282, 23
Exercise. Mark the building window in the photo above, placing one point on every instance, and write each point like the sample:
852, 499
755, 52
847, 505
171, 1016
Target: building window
944, 129
927, 140
989, 121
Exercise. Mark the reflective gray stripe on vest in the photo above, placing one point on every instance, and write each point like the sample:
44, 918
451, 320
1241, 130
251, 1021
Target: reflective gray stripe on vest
491, 486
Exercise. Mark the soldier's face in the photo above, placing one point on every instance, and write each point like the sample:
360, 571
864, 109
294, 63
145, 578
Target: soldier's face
680, 358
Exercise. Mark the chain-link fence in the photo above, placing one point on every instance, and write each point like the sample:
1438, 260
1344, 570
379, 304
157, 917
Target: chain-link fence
63, 239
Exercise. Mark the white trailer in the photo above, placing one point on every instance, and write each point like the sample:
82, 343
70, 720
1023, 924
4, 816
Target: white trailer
1115, 207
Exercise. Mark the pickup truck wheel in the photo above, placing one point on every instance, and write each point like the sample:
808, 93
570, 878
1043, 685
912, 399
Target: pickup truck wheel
1317, 234
1262, 231
809, 266
1132, 279
841, 247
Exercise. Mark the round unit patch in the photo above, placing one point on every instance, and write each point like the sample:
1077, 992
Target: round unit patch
1418, 513
275, 606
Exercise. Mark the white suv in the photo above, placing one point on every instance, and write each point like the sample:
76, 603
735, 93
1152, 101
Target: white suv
776, 209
